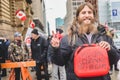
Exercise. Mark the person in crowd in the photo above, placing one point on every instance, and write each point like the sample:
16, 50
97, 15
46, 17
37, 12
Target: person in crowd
17, 52
49, 57
4, 43
82, 31
58, 72
2, 54
49, 39
39, 52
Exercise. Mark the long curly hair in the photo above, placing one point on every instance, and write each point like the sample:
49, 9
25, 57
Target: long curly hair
77, 28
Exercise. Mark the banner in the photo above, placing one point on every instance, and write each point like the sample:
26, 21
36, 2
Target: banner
28, 37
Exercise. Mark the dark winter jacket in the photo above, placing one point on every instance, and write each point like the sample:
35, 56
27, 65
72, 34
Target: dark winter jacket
115, 58
39, 49
2, 51
65, 51
55, 58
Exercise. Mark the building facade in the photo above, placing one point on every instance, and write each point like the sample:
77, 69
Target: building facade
39, 17
5, 18
59, 22
102, 11
8, 21
71, 6
113, 14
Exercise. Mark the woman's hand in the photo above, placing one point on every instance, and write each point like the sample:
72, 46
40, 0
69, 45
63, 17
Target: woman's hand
104, 45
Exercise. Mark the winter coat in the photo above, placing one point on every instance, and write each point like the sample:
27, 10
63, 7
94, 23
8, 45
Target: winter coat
17, 51
65, 51
2, 51
39, 49
115, 58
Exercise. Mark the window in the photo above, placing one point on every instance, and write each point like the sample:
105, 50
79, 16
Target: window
74, 3
78, 3
74, 13
74, 8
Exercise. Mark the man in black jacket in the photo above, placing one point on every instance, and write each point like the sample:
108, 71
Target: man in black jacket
39, 51
2, 53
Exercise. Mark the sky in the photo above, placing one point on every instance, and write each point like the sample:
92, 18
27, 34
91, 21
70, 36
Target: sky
54, 9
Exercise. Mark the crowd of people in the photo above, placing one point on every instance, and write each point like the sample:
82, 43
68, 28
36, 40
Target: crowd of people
58, 48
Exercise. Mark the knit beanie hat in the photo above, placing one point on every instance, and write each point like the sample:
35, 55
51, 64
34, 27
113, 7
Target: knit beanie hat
35, 31
16, 34
59, 30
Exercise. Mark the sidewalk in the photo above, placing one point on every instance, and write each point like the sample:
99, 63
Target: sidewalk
31, 73
113, 76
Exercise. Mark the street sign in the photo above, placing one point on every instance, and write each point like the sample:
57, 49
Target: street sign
114, 12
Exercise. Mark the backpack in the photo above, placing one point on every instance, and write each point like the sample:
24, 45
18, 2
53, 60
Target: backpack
91, 61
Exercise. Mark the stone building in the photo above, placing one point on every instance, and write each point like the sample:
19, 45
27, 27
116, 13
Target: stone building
39, 16
71, 6
8, 21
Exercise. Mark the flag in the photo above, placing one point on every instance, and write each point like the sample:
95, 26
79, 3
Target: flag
32, 24
21, 15
28, 37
